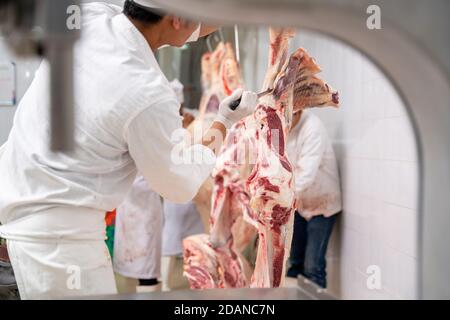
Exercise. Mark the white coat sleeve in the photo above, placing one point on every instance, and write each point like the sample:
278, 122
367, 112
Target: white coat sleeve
2, 147
172, 169
311, 148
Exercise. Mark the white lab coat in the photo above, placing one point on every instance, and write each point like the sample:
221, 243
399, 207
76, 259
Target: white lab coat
178, 89
316, 171
125, 114
138, 232
180, 221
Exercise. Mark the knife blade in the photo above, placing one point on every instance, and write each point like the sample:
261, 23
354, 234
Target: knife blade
235, 104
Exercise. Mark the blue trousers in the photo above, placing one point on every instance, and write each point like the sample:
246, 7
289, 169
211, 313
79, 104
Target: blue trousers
309, 247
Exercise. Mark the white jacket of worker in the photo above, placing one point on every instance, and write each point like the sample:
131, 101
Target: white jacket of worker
317, 184
125, 114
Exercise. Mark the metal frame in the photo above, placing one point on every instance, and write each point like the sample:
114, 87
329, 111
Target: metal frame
408, 59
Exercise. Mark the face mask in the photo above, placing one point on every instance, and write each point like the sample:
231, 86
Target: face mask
195, 35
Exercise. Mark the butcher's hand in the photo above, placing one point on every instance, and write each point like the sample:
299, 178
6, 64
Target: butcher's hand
227, 116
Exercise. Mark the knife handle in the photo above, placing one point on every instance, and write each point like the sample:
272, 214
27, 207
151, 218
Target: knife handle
235, 104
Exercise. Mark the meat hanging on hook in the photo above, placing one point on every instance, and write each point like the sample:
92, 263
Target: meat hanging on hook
254, 180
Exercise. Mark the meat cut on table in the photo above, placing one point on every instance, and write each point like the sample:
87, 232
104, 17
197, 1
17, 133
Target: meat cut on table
253, 178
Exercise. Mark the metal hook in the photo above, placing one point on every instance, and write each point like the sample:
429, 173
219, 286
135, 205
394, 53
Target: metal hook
236, 44
222, 38
208, 43
216, 37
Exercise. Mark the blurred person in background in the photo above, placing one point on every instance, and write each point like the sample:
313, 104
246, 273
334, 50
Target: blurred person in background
138, 229
318, 193
137, 240
180, 221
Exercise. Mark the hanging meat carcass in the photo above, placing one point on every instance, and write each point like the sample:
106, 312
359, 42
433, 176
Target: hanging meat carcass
220, 77
253, 176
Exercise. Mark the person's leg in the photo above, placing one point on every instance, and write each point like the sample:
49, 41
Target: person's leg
149, 285
298, 247
319, 230
61, 270
14, 259
148, 282
177, 280
173, 277
125, 284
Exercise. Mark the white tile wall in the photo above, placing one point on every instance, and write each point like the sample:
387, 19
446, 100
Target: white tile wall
379, 172
377, 156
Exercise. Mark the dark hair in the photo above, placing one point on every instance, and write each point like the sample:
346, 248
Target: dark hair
137, 12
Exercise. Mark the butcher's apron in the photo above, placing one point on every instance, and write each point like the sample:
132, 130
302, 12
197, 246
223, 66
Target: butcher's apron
137, 239
60, 253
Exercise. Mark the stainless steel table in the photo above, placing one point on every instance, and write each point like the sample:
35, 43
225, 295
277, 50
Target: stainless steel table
305, 290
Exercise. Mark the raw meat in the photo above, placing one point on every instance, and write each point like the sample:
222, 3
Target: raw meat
200, 266
253, 178
220, 77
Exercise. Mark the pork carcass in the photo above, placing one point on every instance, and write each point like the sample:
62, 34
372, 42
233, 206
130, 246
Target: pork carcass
253, 177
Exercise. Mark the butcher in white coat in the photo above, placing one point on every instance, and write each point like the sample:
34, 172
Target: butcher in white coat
53, 205
318, 194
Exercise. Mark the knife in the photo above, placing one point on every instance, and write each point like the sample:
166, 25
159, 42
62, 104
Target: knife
235, 104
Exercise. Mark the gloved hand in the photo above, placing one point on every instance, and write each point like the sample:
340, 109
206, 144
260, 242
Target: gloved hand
227, 116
